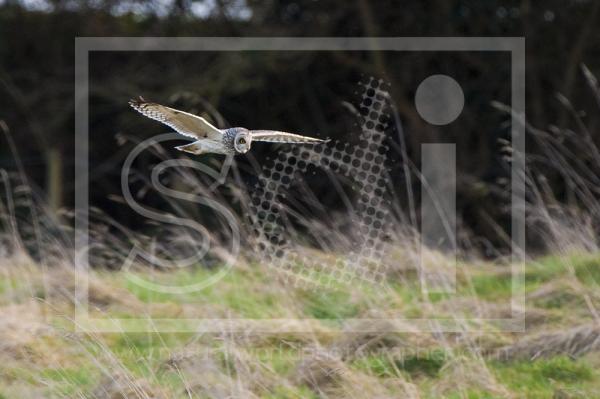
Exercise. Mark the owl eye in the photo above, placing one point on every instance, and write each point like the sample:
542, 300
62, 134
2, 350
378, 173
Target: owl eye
242, 141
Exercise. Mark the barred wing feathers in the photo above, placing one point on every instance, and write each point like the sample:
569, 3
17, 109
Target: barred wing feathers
182, 122
274, 136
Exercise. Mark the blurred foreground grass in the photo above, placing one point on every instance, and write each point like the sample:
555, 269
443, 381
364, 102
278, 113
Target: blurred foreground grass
557, 357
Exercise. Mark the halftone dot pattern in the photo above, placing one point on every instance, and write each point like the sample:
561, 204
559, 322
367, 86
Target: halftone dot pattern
364, 164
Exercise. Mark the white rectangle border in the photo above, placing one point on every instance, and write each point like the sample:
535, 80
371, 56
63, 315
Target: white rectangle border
85, 45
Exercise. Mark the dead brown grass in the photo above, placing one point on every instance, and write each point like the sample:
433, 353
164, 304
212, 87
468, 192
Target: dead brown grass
574, 342
124, 386
469, 373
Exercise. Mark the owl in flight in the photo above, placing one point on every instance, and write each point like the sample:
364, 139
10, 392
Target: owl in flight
209, 139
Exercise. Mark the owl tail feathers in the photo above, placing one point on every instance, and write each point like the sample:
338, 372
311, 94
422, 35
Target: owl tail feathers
193, 148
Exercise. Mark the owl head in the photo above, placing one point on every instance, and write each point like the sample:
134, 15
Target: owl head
242, 141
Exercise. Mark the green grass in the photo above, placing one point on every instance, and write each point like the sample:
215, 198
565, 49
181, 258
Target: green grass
68, 379
428, 363
287, 393
237, 291
492, 287
380, 366
473, 394
330, 304
14, 290
564, 369
540, 378
495, 287
586, 267
587, 271
253, 293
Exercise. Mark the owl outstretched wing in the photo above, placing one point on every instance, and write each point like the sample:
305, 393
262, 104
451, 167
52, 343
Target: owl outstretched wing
274, 136
182, 122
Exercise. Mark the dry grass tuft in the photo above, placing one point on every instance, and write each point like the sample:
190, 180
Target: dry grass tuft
360, 386
328, 376
21, 326
556, 293
574, 342
229, 373
321, 371
60, 285
123, 386
375, 336
464, 374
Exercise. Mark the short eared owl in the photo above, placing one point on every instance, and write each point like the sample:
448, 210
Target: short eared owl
236, 140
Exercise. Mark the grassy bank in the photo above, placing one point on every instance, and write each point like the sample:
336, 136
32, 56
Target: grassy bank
557, 357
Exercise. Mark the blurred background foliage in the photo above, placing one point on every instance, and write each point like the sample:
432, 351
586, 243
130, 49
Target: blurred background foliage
294, 91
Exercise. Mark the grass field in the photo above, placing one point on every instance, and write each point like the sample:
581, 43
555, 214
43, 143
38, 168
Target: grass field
557, 357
